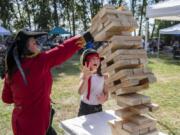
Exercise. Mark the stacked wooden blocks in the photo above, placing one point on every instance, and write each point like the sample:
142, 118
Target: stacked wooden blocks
125, 62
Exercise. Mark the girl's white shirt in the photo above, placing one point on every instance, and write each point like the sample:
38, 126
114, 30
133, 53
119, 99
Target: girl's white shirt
97, 86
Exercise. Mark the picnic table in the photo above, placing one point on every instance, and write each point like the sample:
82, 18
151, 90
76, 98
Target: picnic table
92, 124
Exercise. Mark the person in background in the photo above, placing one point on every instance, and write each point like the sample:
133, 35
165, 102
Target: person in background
92, 87
28, 80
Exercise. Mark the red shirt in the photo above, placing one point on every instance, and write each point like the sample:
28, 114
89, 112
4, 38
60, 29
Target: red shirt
32, 112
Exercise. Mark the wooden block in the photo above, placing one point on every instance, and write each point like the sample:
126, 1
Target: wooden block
126, 57
115, 87
120, 74
104, 50
120, 64
140, 119
113, 94
115, 27
125, 132
143, 131
136, 88
126, 33
132, 51
140, 109
132, 89
122, 105
152, 107
152, 128
114, 126
118, 56
129, 82
110, 11
149, 76
105, 35
119, 42
155, 132
124, 113
134, 99
116, 122
133, 127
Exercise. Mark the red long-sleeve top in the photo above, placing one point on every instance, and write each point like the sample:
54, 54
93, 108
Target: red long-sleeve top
31, 113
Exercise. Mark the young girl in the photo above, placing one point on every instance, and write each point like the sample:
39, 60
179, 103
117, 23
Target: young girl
92, 87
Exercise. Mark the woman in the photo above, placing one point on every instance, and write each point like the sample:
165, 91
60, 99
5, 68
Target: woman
28, 80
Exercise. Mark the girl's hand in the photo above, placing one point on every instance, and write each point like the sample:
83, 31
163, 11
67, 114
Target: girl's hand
102, 98
86, 72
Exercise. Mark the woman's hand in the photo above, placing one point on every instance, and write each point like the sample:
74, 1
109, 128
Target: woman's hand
81, 42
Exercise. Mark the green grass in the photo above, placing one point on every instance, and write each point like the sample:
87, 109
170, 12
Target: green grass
165, 92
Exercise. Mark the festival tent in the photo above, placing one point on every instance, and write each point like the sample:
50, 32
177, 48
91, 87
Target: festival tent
166, 10
173, 30
4, 32
58, 31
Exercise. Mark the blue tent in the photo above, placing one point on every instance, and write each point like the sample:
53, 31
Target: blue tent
58, 31
3, 31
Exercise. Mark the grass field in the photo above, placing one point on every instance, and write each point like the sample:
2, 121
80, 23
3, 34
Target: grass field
166, 92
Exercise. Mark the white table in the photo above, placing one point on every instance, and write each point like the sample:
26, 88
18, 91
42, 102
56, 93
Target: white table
93, 124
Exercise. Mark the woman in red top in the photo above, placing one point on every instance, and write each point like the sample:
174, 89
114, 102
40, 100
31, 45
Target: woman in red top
28, 81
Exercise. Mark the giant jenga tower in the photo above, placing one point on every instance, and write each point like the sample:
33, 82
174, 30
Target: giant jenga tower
125, 61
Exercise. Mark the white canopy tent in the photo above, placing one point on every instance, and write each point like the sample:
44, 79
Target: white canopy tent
3, 31
166, 10
173, 30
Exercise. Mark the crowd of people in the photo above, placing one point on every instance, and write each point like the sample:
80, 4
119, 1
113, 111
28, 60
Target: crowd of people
155, 45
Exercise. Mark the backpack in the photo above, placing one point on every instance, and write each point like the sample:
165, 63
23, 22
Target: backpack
4, 49
2, 60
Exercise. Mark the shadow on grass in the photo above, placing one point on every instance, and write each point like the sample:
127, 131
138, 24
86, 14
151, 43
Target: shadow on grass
70, 67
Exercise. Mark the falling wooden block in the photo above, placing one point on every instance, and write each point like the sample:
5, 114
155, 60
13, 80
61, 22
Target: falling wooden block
112, 11
134, 99
114, 27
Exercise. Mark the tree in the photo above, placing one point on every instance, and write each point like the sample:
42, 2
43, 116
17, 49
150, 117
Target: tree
55, 14
6, 12
44, 16
142, 14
